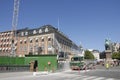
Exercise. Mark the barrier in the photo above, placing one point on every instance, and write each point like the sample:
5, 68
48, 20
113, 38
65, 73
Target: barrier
11, 68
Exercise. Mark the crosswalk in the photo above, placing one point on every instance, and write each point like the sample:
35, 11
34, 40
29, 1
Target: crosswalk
93, 78
78, 77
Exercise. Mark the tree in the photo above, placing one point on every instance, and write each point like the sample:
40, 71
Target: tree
88, 55
116, 55
102, 55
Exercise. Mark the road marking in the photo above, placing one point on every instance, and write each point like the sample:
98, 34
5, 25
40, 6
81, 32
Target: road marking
99, 78
90, 78
110, 79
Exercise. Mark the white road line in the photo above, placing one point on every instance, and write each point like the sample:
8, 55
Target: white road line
99, 78
90, 78
110, 79
80, 77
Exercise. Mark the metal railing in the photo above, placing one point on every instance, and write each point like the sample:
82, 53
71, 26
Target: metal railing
14, 68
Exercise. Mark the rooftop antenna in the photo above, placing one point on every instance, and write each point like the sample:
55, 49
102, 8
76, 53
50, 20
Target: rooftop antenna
58, 23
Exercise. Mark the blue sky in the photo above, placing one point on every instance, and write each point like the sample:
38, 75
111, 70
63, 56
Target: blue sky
88, 22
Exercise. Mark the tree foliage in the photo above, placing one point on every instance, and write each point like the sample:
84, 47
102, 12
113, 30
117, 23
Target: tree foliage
116, 55
88, 55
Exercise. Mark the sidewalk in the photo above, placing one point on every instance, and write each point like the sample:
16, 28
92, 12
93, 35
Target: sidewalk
14, 74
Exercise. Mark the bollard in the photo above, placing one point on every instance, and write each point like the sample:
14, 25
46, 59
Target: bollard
79, 70
45, 68
53, 69
85, 69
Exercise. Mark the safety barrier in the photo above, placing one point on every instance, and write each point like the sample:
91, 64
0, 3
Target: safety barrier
13, 68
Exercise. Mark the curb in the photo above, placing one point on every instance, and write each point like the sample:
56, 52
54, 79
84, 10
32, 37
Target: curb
40, 73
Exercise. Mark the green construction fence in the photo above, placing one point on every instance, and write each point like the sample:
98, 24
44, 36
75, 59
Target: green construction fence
41, 59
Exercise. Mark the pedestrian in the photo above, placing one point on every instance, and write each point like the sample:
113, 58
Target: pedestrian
107, 66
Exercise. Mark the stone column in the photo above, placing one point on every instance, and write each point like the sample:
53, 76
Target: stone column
108, 54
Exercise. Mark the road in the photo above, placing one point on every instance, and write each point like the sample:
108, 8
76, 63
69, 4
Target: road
97, 74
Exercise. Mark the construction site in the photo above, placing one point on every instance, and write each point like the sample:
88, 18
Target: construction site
21, 47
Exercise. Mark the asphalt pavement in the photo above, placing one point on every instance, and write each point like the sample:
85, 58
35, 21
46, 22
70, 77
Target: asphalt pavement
100, 73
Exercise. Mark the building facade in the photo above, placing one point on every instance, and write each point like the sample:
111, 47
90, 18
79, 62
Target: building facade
43, 40
115, 47
5, 43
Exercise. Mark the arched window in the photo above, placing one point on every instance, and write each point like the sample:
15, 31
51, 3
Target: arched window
49, 38
30, 40
36, 40
42, 39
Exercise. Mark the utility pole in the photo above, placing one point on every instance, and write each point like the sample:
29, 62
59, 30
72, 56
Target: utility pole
14, 25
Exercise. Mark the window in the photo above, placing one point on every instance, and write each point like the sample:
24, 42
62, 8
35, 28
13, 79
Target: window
40, 31
21, 47
34, 32
31, 48
49, 46
30, 40
49, 39
42, 46
46, 29
7, 45
0, 49
25, 41
22, 33
25, 48
4, 45
36, 39
26, 33
20, 41
42, 39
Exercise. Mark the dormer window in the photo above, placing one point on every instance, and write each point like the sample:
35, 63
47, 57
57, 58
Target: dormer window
46, 29
34, 32
26, 33
22, 33
40, 31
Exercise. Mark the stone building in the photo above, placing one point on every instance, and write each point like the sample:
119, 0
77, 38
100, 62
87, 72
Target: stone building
42, 40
